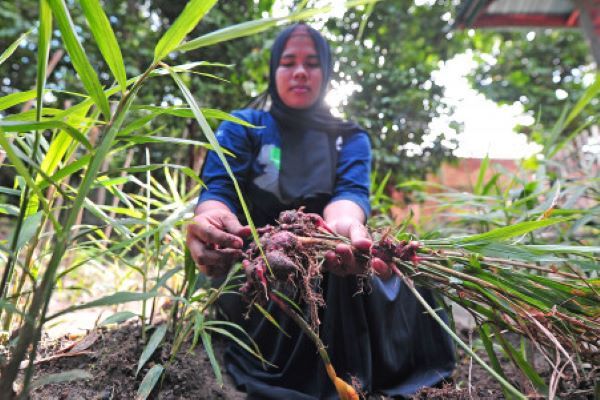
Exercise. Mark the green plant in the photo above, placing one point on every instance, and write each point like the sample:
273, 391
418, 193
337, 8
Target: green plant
59, 156
527, 241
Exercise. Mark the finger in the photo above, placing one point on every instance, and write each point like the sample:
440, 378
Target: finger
346, 257
359, 237
381, 268
332, 262
209, 233
232, 225
216, 271
195, 246
219, 257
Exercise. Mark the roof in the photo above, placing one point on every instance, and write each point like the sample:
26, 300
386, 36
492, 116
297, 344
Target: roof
511, 13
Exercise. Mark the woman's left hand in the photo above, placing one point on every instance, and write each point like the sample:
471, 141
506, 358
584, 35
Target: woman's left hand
346, 259
346, 218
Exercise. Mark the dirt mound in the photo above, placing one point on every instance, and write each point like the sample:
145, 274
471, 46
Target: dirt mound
112, 361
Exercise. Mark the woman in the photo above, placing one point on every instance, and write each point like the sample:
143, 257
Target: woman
306, 157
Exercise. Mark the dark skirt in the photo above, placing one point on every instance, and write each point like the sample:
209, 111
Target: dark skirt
382, 338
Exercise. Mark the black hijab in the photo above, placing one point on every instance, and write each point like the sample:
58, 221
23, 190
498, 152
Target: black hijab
309, 137
318, 115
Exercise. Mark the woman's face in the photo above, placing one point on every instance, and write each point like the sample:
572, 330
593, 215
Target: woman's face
299, 75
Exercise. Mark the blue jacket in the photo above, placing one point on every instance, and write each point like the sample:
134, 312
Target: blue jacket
257, 163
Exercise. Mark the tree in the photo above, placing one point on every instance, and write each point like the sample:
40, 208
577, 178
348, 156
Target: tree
392, 62
544, 70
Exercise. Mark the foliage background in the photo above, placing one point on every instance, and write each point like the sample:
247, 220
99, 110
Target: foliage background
400, 44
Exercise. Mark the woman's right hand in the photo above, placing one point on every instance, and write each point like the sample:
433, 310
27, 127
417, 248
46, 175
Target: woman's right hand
215, 238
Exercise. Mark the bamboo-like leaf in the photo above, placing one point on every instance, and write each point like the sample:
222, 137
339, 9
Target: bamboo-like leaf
210, 352
561, 248
187, 20
44, 39
105, 39
214, 142
149, 381
484, 334
510, 388
10, 192
523, 365
9, 209
97, 211
119, 317
82, 65
13, 46
24, 173
30, 226
28, 126
253, 27
139, 139
66, 376
190, 273
7, 305
270, 318
188, 113
478, 189
590, 94
16, 98
239, 342
512, 252
163, 279
507, 232
153, 343
229, 33
110, 300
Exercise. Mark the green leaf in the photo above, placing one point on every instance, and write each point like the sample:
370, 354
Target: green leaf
30, 227
214, 142
119, 317
482, 170
270, 318
187, 20
590, 94
239, 342
28, 126
105, 39
207, 342
44, 39
229, 33
82, 65
16, 98
66, 376
523, 365
8, 306
562, 248
163, 279
155, 341
188, 113
484, 334
17, 162
110, 300
507, 232
149, 382
253, 27
13, 46
512, 252
9, 209
190, 273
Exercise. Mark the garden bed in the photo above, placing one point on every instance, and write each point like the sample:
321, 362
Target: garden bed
112, 358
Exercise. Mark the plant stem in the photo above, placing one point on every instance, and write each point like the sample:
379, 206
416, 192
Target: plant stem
31, 330
462, 344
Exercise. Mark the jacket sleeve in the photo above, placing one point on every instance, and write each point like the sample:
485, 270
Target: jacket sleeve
354, 171
236, 139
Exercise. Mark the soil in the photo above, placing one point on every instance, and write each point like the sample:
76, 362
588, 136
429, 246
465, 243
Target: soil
112, 361
112, 358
